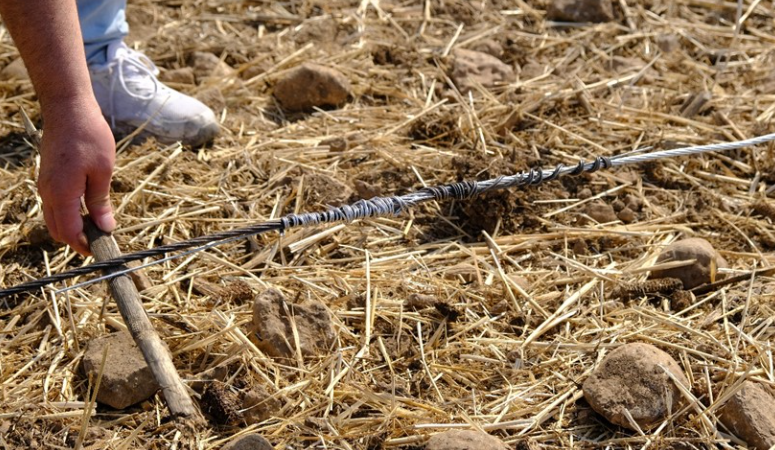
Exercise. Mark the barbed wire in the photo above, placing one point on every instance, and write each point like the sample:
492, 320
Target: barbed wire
374, 207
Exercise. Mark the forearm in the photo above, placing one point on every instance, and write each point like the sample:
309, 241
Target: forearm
48, 36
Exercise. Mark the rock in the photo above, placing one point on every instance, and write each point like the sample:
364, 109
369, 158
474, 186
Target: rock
367, 190
127, 379
471, 68
627, 215
633, 202
272, 317
249, 442
213, 98
584, 193
632, 378
312, 85
580, 11
601, 212
618, 205
179, 76
749, 414
701, 272
464, 440
16, 70
258, 405
489, 46
208, 65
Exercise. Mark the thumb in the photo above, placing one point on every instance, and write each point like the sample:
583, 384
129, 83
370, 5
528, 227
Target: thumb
97, 199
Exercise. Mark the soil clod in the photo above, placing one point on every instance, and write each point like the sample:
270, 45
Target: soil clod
471, 69
631, 381
249, 442
749, 414
464, 440
126, 379
701, 271
312, 85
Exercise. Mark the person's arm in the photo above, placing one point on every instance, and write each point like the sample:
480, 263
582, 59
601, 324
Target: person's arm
78, 149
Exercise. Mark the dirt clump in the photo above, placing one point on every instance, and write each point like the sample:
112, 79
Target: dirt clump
274, 320
184, 75
258, 405
464, 440
632, 379
749, 414
471, 68
312, 85
249, 442
126, 379
220, 403
600, 212
580, 11
322, 191
702, 271
206, 65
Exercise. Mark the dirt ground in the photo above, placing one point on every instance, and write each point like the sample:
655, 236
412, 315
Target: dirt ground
487, 314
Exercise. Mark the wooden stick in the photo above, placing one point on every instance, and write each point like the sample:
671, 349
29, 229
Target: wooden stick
104, 247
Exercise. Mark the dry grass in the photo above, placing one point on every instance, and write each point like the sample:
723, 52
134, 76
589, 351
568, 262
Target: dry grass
512, 361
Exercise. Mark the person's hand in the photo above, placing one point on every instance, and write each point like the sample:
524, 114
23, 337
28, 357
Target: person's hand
76, 160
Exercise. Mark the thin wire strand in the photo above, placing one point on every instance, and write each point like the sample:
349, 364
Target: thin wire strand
378, 206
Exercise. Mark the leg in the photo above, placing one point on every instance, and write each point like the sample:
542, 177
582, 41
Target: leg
102, 22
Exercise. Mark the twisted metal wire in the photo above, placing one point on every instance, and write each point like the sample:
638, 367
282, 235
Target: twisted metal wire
374, 207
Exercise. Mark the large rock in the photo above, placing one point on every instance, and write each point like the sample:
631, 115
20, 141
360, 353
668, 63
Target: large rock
273, 321
127, 379
312, 85
702, 271
249, 442
750, 414
580, 11
471, 68
633, 378
464, 440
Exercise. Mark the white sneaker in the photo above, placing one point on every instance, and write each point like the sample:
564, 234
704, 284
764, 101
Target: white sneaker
130, 95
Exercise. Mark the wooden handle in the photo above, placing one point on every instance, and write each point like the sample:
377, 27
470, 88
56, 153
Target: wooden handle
104, 247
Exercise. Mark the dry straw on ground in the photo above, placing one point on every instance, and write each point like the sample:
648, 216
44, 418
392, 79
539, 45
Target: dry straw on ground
526, 283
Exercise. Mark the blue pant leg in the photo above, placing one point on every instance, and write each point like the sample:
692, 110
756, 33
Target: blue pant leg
102, 23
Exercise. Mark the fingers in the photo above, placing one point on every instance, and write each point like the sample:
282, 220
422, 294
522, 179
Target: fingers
97, 199
69, 225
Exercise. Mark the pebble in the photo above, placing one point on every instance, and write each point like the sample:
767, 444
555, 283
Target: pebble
464, 440
206, 64
627, 215
632, 378
126, 379
184, 75
272, 316
471, 69
701, 272
601, 212
312, 85
16, 70
249, 442
749, 414
595, 11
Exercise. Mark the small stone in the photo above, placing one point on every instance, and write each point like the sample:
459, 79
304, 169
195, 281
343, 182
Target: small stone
627, 215
584, 194
367, 190
184, 75
213, 98
595, 11
258, 405
633, 378
208, 65
312, 85
127, 379
702, 271
272, 316
471, 68
335, 144
749, 414
16, 70
464, 440
633, 202
618, 205
601, 212
249, 442
491, 47
37, 234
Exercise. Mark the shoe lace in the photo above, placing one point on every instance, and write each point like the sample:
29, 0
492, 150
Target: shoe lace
125, 61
